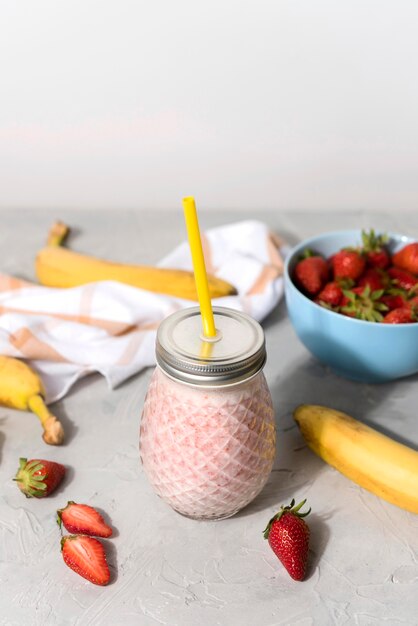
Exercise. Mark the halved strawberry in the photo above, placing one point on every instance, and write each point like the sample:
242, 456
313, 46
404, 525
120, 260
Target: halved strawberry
37, 478
86, 556
84, 519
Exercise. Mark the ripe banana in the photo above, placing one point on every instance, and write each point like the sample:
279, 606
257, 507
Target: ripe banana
59, 267
374, 461
21, 388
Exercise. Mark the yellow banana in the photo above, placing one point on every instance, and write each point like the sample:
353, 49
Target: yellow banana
59, 267
21, 388
376, 462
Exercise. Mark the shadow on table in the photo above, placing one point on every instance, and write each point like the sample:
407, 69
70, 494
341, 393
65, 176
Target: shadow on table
319, 538
296, 466
63, 486
109, 546
2, 439
311, 382
59, 410
108, 521
93, 378
278, 314
112, 559
70, 429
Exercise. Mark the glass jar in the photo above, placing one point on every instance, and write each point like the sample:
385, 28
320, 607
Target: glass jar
207, 438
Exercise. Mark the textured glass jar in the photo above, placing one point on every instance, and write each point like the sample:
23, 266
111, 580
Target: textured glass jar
207, 438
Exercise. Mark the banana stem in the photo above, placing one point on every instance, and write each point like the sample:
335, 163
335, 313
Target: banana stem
53, 430
58, 234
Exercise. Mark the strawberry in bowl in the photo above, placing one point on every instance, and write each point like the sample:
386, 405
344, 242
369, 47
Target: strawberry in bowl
363, 319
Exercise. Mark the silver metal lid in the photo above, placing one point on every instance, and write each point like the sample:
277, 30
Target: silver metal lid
237, 353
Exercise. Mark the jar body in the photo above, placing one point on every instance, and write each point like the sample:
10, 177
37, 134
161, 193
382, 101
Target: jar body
207, 451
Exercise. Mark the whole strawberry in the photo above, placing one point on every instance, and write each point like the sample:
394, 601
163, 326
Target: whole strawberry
374, 249
394, 300
348, 264
288, 537
331, 295
403, 315
311, 273
412, 303
375, 278
363, 304
38, 478
407, 258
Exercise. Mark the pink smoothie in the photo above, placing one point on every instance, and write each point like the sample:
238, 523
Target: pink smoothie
207, 451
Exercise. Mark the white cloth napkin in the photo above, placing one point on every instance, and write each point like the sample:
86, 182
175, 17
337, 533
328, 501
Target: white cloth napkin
109, 327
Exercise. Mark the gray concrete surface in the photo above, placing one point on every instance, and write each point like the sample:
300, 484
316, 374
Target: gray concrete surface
171, 570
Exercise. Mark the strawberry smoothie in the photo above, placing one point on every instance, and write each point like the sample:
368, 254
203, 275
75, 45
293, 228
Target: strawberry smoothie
207, 451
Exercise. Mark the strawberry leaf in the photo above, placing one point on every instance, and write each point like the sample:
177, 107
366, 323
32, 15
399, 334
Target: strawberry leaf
290, 508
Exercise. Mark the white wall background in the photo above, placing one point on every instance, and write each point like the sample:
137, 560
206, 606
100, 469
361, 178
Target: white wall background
281, 104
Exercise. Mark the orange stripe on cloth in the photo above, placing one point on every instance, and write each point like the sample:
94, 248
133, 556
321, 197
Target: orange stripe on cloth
266, 276
269, 272
131, 349
112, 328
273, 245
10, 283
86, 299
137, 338
33, 348
278, 242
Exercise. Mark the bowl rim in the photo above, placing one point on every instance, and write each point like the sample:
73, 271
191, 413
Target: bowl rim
329, 235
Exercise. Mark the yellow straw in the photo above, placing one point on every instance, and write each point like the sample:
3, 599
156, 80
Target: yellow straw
199, 268
206, 349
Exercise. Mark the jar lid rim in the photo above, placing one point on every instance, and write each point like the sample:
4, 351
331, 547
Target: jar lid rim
184, 355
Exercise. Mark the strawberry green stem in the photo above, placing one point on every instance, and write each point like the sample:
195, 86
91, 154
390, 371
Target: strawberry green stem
371, 241
306, 254
290, 508
33, 486
61, 511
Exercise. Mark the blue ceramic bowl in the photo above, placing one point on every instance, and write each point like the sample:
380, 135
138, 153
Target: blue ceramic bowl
363, 351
